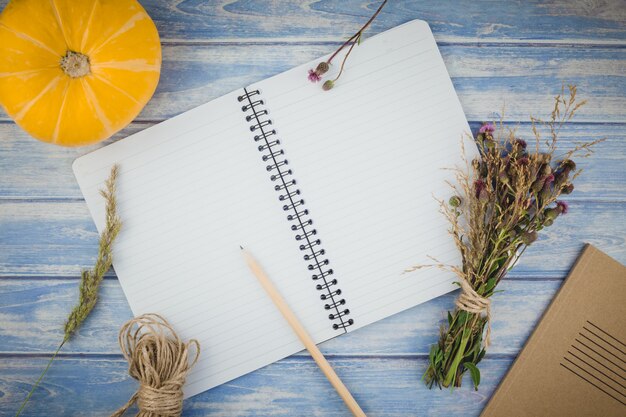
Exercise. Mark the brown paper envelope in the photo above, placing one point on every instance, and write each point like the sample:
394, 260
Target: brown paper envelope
574, 363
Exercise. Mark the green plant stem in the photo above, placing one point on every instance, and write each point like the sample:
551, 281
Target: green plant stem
449, 380
354, 37
32, 390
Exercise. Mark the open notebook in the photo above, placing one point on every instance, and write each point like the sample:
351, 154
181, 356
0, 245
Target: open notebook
331, 191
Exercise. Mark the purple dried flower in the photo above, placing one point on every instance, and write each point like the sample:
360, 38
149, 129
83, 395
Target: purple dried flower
562, 207
521, 143
487, 127
314, 76
548, 181
479, 187
523, 160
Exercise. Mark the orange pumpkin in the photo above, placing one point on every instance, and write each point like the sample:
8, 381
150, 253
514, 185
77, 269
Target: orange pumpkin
74, 72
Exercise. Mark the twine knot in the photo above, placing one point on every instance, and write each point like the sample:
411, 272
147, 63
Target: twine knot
472, 302
159, 360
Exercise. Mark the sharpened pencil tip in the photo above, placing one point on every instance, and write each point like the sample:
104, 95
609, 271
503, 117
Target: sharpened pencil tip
240, 247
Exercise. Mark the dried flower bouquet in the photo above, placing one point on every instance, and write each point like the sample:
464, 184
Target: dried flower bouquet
506, 196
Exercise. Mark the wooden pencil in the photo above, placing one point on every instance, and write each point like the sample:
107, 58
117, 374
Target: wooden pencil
302, 334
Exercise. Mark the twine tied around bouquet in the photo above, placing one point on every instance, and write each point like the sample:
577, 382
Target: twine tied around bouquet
472, 302
159, 360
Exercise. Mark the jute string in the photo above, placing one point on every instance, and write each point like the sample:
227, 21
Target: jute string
159, 360
472, 302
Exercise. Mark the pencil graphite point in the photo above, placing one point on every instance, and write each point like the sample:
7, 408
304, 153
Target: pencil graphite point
240, 247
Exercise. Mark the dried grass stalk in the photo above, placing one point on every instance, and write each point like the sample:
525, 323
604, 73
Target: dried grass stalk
90, 279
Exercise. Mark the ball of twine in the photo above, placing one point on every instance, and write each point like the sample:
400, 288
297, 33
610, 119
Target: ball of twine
159, 360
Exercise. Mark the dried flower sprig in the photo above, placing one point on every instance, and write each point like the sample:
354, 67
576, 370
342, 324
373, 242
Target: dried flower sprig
501, 202
90, 279
322, 68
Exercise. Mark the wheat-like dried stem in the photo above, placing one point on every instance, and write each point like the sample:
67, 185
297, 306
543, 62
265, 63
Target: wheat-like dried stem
90, 279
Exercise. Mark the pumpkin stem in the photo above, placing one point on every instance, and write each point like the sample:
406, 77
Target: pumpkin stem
75, 64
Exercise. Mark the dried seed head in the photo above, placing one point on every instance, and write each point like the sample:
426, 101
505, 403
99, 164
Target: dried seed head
529, 237
568, 164
322, 68
483, 196
567, 189
455, 201
521, 143
551, 213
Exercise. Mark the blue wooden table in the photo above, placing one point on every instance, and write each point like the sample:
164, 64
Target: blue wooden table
512, 53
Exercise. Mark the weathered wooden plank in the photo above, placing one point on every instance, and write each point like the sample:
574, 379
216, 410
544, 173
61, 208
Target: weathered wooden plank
59, 238
486, 78
34, 170
478, 21
33, 313
292, 387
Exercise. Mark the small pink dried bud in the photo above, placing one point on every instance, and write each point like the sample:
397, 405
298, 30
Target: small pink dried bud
455, 201
479, 186
322, 68
313, 76
520, 143
562, 207
329, 84
523, 161
487, 128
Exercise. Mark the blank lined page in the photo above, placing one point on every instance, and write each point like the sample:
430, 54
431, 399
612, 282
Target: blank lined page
190, 191
370, 157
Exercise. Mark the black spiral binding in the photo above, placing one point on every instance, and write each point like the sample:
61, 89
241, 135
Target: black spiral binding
293, 203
